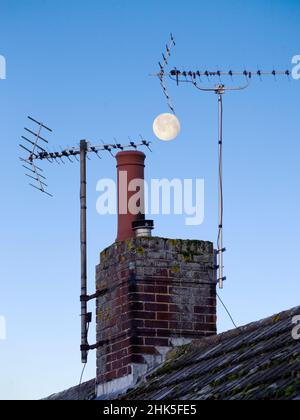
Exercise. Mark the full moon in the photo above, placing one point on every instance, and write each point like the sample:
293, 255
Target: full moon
166, 127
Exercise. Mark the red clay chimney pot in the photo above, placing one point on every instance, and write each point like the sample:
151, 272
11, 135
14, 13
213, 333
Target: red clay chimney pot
133, 163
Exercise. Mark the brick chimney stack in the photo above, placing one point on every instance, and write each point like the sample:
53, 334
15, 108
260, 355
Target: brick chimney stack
154, 294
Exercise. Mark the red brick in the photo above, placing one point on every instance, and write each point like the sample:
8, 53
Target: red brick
181, 325
163, 298
204, 310
124, 274
139, 341
127, 325
134, 323
125, 290
122, 372
143, 315
122, 353
212, 328
175, 308
199, 318
211, 319
167, 316
142, 350
145, 332
156, 289
142, 297
163, 333
212, 292
121, 345
110, 376
157, 307
111, 357
124, 326
136, 306
117, 364
163, 342
124, 310
161, 289
122, 300
149, 289
157, 324
162, 272
139, 288
134, 358
204, 327
211, 302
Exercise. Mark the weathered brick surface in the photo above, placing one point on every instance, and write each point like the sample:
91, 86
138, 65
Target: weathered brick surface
154, 291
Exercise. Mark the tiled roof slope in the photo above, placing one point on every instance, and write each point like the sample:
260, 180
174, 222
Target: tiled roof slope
85, 392
259, 361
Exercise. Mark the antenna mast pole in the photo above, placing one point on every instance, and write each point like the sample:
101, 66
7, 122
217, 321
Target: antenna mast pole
83, 248
220, 180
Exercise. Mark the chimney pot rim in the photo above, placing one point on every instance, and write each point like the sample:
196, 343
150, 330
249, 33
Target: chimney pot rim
130, 153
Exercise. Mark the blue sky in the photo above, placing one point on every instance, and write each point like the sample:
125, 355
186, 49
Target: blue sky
83, 67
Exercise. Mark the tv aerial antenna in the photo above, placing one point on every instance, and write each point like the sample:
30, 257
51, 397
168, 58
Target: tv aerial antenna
36, 152
196, 78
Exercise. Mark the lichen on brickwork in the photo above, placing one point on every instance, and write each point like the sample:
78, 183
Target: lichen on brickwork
175, 269
188, 256
129, 244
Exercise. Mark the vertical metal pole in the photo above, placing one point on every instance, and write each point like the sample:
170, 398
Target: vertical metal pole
83, 245
220, 153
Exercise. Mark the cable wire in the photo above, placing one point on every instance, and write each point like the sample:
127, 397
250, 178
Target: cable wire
227, 310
